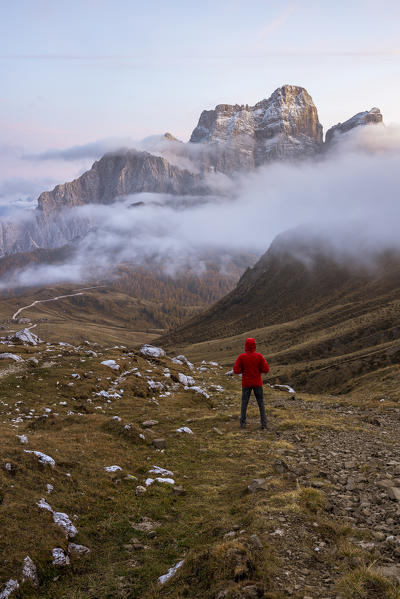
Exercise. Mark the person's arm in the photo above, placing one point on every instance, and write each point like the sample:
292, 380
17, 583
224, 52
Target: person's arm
237, 369
263, 365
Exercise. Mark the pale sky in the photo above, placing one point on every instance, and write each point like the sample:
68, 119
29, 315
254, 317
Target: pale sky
75, 72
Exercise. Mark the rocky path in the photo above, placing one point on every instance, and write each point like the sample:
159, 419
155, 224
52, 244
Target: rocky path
353, 464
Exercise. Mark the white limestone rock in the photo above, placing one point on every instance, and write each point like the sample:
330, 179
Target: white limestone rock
29, 572
43, 459
60, 558
152, 352
10, 587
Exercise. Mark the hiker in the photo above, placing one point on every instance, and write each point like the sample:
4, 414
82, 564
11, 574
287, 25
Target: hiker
250, 365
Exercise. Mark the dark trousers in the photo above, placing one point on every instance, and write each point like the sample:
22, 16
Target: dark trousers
258, 392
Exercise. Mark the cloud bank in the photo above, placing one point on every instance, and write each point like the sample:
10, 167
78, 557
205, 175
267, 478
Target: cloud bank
349, 197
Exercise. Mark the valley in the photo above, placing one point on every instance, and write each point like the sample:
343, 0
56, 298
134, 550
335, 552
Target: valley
125, 297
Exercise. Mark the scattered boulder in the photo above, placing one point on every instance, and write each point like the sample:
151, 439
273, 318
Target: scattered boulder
178, 490
161, 471
62, 520
25, 336
78, 549
140, 490
29, 572
184, 429
171, 572
186, 380
111, 364
184, 359
112, 469
10, 587
151, 351
43, 459
8, 356
60, 558
149, 423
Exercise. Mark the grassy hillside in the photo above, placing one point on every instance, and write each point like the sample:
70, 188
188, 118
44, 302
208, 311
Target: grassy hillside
142, 297
322, 523
324, 324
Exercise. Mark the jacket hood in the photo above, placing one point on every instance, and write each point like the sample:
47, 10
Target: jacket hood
250, 344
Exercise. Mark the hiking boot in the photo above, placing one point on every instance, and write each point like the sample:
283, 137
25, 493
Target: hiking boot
242, 426
263, 428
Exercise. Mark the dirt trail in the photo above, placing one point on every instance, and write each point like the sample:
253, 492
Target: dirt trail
52, 299
353, 460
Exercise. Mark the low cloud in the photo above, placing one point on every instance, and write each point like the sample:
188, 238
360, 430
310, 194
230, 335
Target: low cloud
349, 198
92, 150
19, 192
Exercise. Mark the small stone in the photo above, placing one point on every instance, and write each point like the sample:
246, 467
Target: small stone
258, 484
317, 484
159, 443
394, 493
217, 431
280, 467
140, 490
78, 549
256, 541
10, 467
149, 423
178, 490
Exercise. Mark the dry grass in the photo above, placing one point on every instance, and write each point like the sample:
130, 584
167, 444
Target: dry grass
214, 469
365, 583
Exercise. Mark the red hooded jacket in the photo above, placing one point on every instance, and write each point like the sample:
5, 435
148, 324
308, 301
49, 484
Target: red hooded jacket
250, 364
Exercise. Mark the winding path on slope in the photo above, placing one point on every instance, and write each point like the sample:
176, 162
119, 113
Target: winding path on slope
52, 299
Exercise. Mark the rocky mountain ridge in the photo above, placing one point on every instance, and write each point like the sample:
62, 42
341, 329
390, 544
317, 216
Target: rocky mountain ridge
368, 117
228, 140
284, 126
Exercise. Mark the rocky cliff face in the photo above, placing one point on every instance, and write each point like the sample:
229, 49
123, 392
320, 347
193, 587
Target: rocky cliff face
369, 117
284, 126
228, 139
118, 174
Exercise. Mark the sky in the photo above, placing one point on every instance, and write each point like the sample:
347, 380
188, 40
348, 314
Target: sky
76, 72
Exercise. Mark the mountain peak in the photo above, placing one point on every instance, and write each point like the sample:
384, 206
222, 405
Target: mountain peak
368, 117
285, 125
